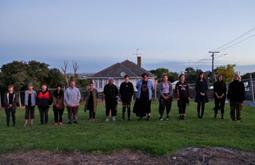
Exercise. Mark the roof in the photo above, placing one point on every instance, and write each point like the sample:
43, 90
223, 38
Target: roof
121, 69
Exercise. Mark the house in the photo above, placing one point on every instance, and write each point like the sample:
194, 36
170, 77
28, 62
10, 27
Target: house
118, 71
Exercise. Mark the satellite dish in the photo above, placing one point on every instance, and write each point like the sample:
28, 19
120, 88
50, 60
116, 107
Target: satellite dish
122, 74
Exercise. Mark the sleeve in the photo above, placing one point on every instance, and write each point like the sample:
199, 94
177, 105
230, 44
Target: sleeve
243, 92
171, 89
66, 97
229, 91
50, 98
188, 90
79, 95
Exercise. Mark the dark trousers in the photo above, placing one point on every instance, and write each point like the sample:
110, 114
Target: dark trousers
72, 113
58, 115
111, 107
219, 105
182, 106
200, 109
43, 114
10, 113
164, 104
235, 111
92, 114
126, 107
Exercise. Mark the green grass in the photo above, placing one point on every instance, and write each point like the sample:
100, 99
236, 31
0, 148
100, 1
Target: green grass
156, 137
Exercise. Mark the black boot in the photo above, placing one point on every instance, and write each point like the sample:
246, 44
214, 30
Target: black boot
123, 112
222, 116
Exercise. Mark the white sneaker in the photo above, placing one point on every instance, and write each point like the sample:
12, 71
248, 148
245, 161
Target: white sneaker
107, 120
113, 119
161, 119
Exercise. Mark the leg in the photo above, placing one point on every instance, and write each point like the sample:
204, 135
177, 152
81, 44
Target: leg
55, 111
222, 107
168, 108
128, 111
7, 112
232, 111
203, 109
69, 115
61, 115
161, 108
216, 108
13, 117
46, 115
124, 107
238, 111
198, 109
75, 114
41, 115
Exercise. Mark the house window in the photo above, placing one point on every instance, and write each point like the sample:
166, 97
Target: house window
100, 83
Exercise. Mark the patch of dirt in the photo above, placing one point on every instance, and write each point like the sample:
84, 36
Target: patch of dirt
197, 156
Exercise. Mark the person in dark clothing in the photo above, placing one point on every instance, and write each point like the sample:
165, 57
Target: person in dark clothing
30, 103
236, 96
183, 95
91, 101
165, 95
220, 90
111, 100
142, 106
201, 94
44, 100
11, 100
58, 105
126, 94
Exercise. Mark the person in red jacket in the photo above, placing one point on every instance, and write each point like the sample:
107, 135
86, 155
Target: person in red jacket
44, 100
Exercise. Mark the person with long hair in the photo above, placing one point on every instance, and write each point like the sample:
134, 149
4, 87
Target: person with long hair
91, 101
58, 105
182, 92
201, 94
11, 100
165, 96
30, 103
142, 106
219, 89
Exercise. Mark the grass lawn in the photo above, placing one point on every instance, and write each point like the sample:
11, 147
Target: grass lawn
154, 136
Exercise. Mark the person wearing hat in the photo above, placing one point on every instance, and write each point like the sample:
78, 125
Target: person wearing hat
58, 105
236, 96
183, 95
142, 106
111, 100
126, 94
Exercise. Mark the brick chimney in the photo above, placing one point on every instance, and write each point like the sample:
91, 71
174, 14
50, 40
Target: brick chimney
139, 61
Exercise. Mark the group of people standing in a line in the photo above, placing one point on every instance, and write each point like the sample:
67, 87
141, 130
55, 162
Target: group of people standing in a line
71, 96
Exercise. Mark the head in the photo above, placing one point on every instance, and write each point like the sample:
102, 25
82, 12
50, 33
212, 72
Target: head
201, 76
237, 77
44, 87
11, 88
30, 87
110, 81
72, 84
220, 77
145, 76
126, 78
165, 77
182, 78
91, 85
58, 87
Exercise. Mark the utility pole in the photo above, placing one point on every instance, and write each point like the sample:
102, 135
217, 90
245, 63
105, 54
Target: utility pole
213, 58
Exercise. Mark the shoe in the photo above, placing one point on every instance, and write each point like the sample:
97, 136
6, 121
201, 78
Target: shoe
107, 120
113, 119
75, 122
69, 122
161, 119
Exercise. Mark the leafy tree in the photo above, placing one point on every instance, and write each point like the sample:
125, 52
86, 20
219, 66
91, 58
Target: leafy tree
227, 72
160, 71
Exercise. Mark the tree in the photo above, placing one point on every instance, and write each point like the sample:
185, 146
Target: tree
172, 76
227, 72
55, 77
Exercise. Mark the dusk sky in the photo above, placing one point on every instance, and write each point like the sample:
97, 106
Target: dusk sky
98, 33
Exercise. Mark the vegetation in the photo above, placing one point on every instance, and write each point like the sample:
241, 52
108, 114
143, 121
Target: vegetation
156, 137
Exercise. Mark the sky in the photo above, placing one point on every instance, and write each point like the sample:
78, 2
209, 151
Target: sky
97, 33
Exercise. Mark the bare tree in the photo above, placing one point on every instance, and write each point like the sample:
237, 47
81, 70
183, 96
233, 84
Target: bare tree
64, 70
75, 68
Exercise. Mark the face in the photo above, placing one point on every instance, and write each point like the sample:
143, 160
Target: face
91, 86
44, 87
220, 78
10, 89
145, 78
237, 77
182, 78
72, 84
127, 79
165, 78
58, 88
201, 76
30, 87
110, 82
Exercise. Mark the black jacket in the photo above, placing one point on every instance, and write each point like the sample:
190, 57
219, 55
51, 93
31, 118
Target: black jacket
236, 92
201, 86
111, 93
126, 91
220, 88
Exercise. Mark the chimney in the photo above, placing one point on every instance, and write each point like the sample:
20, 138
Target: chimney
139, 61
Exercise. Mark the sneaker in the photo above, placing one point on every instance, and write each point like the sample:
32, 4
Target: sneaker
107, 120
161, 119
113, 119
